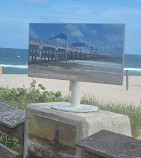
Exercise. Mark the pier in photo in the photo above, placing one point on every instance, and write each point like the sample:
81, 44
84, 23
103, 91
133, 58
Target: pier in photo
43, 51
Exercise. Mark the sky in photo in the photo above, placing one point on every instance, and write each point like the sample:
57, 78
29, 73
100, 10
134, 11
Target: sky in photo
106, 38
15, 16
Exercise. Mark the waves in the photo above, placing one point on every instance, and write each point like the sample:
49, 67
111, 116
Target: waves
97, 63
26, 67
14, 66
133, 69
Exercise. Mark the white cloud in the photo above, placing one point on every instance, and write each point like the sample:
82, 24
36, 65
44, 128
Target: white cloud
113, 38
121, 12
138, 1
6, 19
93, 31
74, 31
33, 34
40, 2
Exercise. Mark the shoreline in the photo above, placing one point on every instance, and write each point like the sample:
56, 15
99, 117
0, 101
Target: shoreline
104, 93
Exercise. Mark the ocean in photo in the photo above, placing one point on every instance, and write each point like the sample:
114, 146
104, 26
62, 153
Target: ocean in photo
15, 61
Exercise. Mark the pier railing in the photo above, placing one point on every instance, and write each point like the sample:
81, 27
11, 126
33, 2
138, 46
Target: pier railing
45, 51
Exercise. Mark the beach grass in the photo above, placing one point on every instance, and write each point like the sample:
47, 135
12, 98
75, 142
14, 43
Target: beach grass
21, 97
133, 112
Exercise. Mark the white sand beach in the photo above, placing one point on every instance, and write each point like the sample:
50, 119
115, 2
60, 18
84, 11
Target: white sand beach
102, 92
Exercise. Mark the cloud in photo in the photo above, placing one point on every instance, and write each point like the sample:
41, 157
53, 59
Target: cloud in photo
112, 38
93, 32
33, 34
74, 31
58, 40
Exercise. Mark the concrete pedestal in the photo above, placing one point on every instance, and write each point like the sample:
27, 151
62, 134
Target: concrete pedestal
51, 133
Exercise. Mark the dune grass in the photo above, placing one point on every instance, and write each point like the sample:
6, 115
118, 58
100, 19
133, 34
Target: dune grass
134, 113
20, 97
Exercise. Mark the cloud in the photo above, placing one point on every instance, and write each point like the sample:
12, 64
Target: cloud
121, 12
77, 34
38, 2
111, 37
60, 41
115, 49
7, 19
32, 34
74, 31
138, 1
93, 31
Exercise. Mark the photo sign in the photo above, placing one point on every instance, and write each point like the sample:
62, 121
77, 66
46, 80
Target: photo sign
50, 138
79, 52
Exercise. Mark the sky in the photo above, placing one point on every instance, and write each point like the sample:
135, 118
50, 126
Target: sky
15, 16
106, 38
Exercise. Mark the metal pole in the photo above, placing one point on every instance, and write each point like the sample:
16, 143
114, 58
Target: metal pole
75, 94
75, 105
127, 80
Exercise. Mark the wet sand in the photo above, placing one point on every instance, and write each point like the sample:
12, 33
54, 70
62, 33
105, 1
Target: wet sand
106, 77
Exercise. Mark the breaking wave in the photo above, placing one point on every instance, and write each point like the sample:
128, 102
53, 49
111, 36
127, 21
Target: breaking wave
14, 66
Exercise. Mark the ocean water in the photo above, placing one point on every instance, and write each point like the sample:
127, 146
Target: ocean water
15, 61
132, 63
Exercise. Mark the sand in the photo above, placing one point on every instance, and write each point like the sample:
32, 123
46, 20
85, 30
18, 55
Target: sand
104, 93
106, 76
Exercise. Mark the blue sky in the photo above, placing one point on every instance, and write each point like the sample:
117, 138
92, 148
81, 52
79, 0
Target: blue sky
15, 16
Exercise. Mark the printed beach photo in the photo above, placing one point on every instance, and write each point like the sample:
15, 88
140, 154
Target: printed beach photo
79, 52
51, 138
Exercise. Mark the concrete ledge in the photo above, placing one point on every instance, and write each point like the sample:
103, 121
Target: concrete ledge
98, 120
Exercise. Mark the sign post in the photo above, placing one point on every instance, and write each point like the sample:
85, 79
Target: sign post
75, 94
127, 79
75, 105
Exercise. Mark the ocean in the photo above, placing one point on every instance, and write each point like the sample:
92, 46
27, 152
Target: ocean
15, 61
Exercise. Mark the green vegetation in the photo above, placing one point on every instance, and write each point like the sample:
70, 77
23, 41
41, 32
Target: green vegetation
9, 141
20, 97
134, 113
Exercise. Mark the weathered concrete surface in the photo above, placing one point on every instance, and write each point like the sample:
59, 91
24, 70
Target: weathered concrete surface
10, 116
109, 144
92, 122
86, 123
